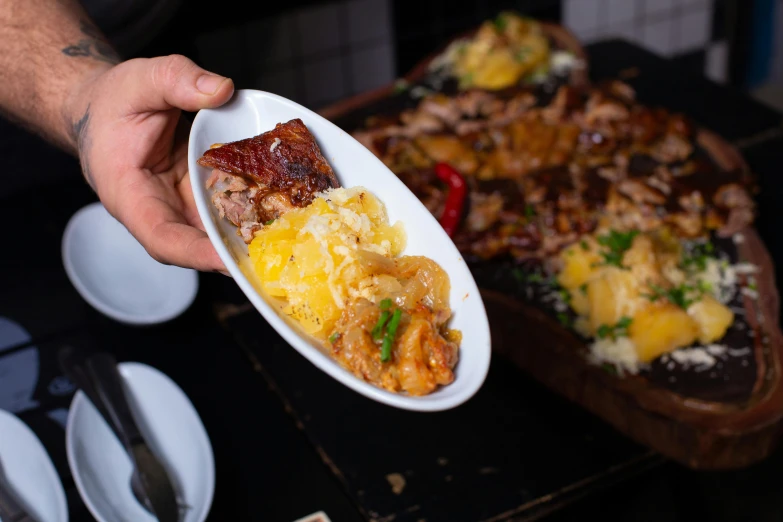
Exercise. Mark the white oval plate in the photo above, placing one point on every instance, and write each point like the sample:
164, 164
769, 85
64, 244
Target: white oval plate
169, 423
29, 471
116, 276
250, 113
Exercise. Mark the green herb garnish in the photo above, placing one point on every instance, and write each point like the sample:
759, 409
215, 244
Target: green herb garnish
583, 289
535, 277
565, 295
377, 330
334, 337
564, 319
385, 304
584, 245
697, 258
618, 330
617, 243
753, 286
681, 295
501, 22
394, 323
386, 349
269, 222
391, 332
530, 211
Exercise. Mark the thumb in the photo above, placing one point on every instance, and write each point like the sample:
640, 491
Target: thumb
173, 82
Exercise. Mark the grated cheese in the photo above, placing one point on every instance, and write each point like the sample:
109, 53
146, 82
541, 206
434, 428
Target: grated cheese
620, 352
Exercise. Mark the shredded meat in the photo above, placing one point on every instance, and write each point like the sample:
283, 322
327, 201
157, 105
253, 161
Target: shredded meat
259, 179
568, 161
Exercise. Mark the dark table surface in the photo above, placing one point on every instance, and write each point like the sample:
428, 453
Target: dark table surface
289, 441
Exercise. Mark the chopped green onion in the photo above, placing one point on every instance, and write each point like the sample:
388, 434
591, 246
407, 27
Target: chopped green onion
618, 330
391, 332
584, 245
378, 328
386, 349
334, 337
269, 222
394, 323
617, 243
385, 304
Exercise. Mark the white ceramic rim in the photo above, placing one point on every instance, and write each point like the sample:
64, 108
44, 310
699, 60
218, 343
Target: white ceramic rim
190, 291
50, 469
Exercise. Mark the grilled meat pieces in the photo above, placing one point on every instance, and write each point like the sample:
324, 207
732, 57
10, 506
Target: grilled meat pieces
542, 172
258, 179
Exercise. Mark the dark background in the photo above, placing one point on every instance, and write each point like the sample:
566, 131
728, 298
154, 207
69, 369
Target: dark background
274, 421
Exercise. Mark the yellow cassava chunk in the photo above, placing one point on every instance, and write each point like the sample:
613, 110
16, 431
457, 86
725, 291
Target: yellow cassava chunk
661, 328
712, 317
310, 256
579, 265
611, 297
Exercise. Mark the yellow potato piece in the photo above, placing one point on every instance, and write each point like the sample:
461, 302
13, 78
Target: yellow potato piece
712, 317
661, 328
309, 256
578, 266
611, 297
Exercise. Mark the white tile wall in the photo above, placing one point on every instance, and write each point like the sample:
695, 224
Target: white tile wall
368, 20
620, 12
694, 29
324, 81
315, 55
372, 67
659, 37
655, 7
582, 17
318, 29
269, 41
667, 27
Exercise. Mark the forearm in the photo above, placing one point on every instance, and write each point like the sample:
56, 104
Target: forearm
49, 49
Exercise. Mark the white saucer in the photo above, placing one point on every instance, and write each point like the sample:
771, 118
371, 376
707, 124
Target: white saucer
30, 472
102, 469
113, 272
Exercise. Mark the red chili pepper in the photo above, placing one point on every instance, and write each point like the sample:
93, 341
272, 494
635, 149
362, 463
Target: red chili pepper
455, 201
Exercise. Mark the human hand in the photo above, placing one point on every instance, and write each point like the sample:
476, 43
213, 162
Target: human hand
132, 144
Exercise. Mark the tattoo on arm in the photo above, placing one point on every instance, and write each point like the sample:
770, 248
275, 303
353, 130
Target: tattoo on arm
94, 46
81, 137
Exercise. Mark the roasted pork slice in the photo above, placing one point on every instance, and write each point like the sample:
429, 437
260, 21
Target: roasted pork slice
258, 179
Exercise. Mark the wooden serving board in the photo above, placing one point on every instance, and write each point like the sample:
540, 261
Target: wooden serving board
699, 434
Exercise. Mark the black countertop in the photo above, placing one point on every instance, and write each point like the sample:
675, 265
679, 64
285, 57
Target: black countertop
289, 441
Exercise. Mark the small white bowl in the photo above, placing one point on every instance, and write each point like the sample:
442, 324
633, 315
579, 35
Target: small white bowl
173, 430
250, 113
113, 272
29, 471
